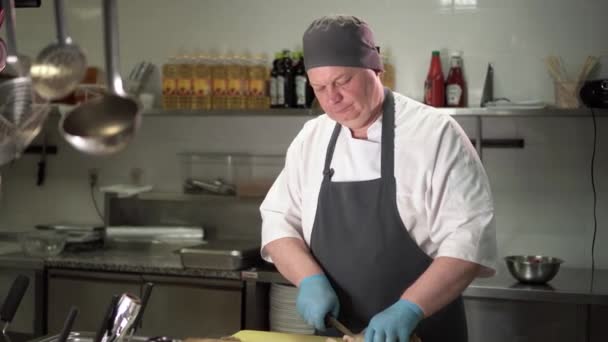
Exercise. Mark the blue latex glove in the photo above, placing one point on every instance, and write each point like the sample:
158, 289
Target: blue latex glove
316, 299
395, 323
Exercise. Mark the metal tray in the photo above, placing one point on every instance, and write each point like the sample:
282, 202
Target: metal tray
221, 255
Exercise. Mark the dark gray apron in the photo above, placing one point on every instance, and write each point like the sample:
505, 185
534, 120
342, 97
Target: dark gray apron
362, 245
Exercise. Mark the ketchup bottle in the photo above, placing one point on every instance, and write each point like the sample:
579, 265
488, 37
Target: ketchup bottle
434, 86
456, 88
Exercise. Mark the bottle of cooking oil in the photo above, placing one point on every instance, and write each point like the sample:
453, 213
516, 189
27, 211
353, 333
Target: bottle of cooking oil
169, 79
258, 94
185, 76
220, 83
202, 83
245, 62
234, 69
388, 76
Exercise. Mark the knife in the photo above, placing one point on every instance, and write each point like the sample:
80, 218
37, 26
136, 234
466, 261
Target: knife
341, 327
330, 320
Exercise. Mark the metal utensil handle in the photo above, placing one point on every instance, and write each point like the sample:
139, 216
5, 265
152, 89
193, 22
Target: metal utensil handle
107, 319
13, 299
62, 36
144, 301
110, 35
11, 38
67, 325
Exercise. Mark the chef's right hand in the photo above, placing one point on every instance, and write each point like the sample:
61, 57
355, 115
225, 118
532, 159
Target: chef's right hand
316, 299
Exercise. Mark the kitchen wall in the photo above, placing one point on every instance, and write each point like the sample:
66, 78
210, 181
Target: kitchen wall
543, 192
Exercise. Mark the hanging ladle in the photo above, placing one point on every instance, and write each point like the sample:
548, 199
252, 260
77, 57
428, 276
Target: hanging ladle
61, 66
104, 125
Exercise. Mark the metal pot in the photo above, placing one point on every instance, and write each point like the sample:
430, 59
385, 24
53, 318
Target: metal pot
107, 124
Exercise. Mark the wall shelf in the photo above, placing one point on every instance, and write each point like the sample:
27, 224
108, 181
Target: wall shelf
311, 112
471, 112
180, 196
232, 113
477, 113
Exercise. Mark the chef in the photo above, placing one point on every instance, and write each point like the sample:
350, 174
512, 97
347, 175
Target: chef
383, 213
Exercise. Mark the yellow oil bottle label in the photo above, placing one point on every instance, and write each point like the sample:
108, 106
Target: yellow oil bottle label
256, 88
169, 86
202, 87
234, 87
219, 87
184, 86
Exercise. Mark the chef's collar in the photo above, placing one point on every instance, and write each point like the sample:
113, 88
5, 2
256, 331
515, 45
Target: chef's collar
374, 131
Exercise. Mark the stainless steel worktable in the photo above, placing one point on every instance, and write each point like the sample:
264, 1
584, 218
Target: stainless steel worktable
571, 285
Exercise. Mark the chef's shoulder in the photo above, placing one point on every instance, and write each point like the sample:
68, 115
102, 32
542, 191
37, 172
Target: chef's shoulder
313, 135
419, 122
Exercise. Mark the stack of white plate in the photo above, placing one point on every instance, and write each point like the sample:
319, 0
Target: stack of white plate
283, 314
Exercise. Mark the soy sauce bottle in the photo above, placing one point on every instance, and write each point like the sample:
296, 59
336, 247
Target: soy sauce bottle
289, 81
301, 80
274, 88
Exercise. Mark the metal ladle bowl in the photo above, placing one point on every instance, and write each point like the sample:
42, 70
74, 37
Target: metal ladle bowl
58, 70
61, 66
103, 125
107, 124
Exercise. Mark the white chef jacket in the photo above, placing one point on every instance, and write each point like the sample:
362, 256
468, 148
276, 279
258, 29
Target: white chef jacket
443, 193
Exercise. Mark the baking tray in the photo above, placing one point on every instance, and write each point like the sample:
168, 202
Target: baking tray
221, 255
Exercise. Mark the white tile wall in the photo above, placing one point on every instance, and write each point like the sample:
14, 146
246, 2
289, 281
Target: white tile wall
542, 192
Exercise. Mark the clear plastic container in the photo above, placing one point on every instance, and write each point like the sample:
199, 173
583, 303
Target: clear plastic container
240, 174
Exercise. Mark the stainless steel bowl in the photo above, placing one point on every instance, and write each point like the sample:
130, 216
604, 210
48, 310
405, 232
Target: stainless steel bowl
534, 269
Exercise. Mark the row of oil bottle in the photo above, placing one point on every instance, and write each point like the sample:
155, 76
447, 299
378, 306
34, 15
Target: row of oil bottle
206, 82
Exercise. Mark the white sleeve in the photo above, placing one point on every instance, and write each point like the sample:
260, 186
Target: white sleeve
459, 204
281, 209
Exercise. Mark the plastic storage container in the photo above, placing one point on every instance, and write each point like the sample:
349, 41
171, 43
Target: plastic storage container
240, 174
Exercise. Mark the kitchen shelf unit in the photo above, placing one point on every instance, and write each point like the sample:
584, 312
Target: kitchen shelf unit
477, 113
470, 112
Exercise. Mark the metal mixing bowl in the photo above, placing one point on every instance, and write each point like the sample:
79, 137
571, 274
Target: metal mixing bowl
534, 269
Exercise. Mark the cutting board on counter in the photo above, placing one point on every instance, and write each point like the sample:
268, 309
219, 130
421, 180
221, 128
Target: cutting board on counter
263, 336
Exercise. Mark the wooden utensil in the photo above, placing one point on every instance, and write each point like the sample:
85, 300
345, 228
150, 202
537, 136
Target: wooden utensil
586, 69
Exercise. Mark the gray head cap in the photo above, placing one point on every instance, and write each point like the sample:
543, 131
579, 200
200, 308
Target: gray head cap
340, 41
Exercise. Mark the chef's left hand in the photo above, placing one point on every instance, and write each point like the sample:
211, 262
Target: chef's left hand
395, 323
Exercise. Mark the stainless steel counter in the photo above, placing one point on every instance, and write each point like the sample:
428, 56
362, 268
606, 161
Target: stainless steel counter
571, 285
160, 259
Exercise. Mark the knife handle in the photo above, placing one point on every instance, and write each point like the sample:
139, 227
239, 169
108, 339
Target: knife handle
14, 297
331, 320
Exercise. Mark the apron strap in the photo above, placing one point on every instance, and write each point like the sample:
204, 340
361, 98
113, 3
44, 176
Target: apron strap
327, 171
387, 164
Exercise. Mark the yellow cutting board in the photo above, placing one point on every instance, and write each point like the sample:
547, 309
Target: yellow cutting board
271, 336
